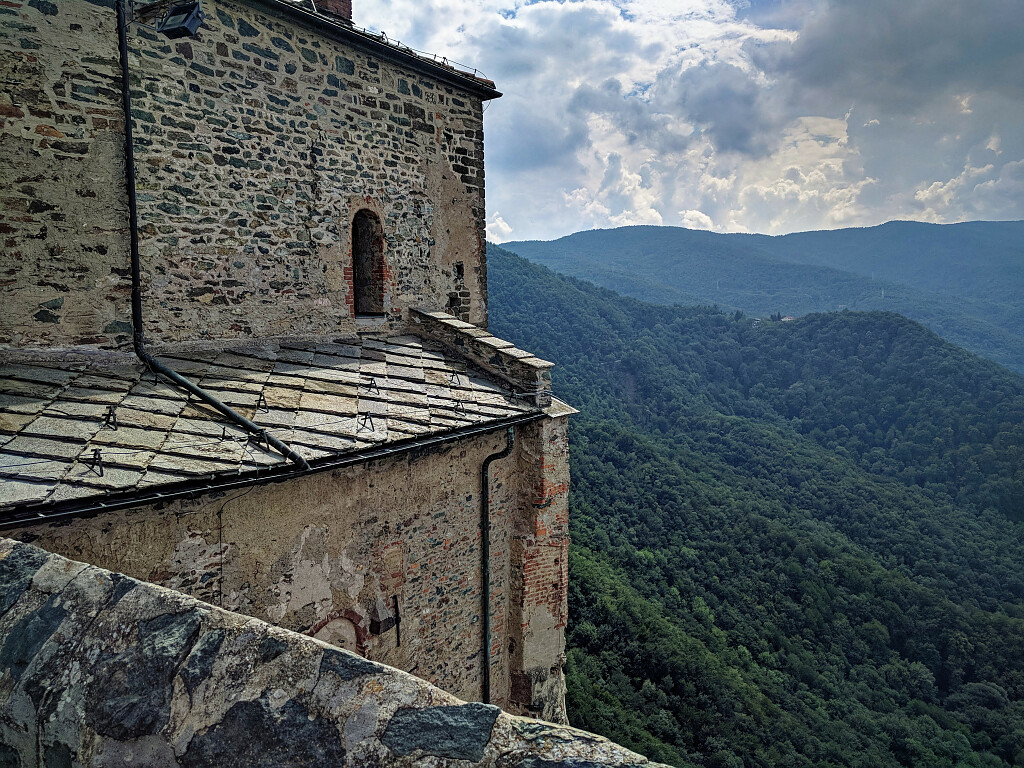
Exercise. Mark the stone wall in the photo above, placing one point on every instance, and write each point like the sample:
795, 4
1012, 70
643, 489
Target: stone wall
97, 669
383, 559
257, 142
64, 275
528, 375
540, 555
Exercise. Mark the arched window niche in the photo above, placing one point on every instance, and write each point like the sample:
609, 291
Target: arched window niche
368, 272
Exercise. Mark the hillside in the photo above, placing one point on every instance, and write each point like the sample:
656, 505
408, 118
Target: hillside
976, 259
964, 281
794, 543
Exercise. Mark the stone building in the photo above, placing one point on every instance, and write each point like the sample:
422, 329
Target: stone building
243, 345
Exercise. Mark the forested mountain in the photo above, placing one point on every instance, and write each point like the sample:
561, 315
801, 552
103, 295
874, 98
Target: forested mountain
794, 544
976, 259
964, 281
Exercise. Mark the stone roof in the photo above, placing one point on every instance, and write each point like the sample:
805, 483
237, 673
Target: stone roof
74, 428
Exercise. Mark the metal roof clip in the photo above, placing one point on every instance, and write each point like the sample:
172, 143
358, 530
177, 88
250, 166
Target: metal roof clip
95, 462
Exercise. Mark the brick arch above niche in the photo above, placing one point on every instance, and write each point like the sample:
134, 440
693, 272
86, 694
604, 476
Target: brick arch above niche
370, 273
356, 203
345, 629
371, 283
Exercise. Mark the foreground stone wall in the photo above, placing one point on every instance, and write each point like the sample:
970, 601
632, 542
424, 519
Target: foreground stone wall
257, 142
98, 669
382, 559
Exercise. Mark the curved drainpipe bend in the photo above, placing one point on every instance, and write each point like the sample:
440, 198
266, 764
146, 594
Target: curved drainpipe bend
485, 556
133, 225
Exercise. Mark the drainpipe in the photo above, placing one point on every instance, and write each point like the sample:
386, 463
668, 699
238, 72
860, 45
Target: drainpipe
133, 225
485, 557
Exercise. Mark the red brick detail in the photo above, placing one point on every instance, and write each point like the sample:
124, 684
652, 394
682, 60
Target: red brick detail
350, 299
357, 621
340, 8
548, 492
545, 580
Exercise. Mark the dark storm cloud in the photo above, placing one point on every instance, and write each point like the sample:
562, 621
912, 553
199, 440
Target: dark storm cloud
727, 104
900, 55
641, 121
935, 90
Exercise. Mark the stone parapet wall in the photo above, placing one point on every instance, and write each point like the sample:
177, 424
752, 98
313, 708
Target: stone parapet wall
257, 142
98, 669
528, 374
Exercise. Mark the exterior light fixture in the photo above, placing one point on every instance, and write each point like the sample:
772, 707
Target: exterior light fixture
182, 19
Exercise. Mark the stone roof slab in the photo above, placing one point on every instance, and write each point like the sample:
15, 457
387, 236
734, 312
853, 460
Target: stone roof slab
96, 427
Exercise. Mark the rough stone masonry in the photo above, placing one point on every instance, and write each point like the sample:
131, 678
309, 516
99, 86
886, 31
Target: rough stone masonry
257, 142
102, 670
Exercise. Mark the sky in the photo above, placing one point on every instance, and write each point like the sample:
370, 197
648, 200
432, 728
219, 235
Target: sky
768, 116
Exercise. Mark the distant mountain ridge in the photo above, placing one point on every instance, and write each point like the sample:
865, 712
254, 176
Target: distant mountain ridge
964, 281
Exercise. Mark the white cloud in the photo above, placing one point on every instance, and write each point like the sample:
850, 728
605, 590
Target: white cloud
813, 180
999, 198
589, 212
696, 220
498, 230
941, 194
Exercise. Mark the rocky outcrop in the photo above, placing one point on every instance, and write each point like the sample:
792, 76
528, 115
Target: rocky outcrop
100, 669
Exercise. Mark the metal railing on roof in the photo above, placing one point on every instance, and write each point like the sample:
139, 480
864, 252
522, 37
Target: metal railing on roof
149, 10
382, 37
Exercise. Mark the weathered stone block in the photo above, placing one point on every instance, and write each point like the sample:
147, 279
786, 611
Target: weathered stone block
460, 732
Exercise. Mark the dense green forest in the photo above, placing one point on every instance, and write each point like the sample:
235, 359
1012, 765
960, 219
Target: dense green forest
964, 281
794, 544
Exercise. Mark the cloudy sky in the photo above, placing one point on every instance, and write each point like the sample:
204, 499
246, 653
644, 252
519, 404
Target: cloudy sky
736, 115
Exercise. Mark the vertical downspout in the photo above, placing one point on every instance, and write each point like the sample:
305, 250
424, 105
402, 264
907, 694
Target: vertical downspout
129, 168
485, 556
136, 271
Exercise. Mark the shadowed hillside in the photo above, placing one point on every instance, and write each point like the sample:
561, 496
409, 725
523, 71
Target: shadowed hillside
794, 543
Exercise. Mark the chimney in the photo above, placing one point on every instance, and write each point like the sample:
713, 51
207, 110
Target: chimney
340, 9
